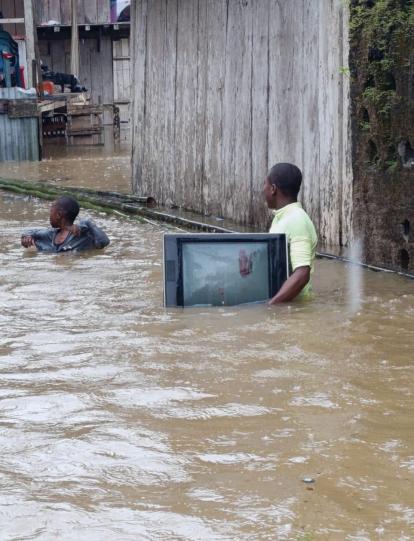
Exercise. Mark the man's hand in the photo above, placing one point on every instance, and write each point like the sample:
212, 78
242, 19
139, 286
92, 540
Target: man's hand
292, 287
27, 241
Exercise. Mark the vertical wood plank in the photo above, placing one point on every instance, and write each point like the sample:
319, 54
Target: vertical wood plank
31, 40
237, 111
285, 82
154, 119
54, 11
201, 101
169, 90
81, 12
65, 12
58, 55
260, 110
91, 11
74, 49
43, 11
216, 68
85, 66
8, 9
103, 13
310, 112
106, 63
347, 173
19, 12
139, 25
186, 101
328, 124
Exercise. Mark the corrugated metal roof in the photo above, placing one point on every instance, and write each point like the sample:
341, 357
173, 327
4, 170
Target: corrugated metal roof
19, 137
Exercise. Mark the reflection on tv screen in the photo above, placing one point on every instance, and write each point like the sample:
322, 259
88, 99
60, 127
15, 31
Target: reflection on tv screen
225, 274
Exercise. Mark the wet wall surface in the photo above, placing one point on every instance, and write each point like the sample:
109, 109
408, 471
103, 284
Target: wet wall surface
120, 419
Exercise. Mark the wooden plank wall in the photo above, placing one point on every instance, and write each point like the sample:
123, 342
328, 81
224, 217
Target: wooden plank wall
89, 12
122, 84
223, 89
13, 9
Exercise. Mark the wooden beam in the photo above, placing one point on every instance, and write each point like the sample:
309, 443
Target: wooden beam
12, 21
30, 30
50, 106
74, 47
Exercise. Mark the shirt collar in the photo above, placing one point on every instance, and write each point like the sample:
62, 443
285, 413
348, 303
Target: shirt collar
280, 212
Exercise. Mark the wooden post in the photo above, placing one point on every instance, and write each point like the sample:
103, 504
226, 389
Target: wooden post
31, 40
74, 48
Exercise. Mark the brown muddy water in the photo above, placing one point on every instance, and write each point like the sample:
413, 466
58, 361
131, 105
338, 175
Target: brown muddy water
121, 420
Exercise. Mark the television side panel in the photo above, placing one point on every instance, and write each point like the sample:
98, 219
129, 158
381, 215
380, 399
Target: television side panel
171, 270
278, 262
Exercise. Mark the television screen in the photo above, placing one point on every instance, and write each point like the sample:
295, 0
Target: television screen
223, 269
230, 273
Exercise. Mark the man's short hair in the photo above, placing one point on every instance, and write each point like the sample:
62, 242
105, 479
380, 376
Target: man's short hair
287, 177
68, 206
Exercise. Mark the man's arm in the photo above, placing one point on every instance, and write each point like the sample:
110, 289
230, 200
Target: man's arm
293, 286
29, 238
99, 237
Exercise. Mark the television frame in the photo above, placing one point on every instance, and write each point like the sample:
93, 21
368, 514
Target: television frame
278, 260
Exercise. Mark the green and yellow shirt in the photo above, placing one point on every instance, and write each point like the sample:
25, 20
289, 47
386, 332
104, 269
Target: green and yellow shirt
301, 236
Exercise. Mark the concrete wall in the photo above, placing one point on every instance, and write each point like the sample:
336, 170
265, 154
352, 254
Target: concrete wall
223, 89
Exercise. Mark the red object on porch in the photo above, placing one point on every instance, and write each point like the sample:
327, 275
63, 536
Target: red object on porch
22, 81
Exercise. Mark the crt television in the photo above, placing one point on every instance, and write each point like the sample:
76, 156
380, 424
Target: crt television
223, 269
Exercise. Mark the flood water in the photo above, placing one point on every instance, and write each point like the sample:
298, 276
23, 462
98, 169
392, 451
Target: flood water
121, 420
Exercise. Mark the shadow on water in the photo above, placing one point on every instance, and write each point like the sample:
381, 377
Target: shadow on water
123, 420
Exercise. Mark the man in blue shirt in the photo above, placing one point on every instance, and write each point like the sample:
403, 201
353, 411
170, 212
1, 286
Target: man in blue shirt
65, 235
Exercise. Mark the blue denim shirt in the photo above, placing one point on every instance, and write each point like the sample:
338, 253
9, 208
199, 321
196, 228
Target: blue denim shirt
90, 237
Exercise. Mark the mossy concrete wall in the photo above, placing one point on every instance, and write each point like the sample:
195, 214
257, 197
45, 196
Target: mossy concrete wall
382, 97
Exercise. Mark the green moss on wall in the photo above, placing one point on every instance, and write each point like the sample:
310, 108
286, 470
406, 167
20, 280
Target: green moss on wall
382, 98
382, 39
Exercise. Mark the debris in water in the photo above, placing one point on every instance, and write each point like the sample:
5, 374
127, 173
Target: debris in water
308, 480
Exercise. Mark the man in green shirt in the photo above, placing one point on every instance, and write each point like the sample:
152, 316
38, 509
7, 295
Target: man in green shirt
281, 190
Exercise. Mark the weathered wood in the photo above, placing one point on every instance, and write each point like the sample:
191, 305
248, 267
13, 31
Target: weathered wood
23, 108
81, 110
4, 107
55, 11
74, 46
107, 78
103, 11
84, 129
138, 70
12, 20
260, 109
31, 36
99, 80
91, 11
216, 71
226, 88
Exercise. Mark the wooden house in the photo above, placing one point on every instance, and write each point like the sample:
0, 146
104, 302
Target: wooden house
104, 54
